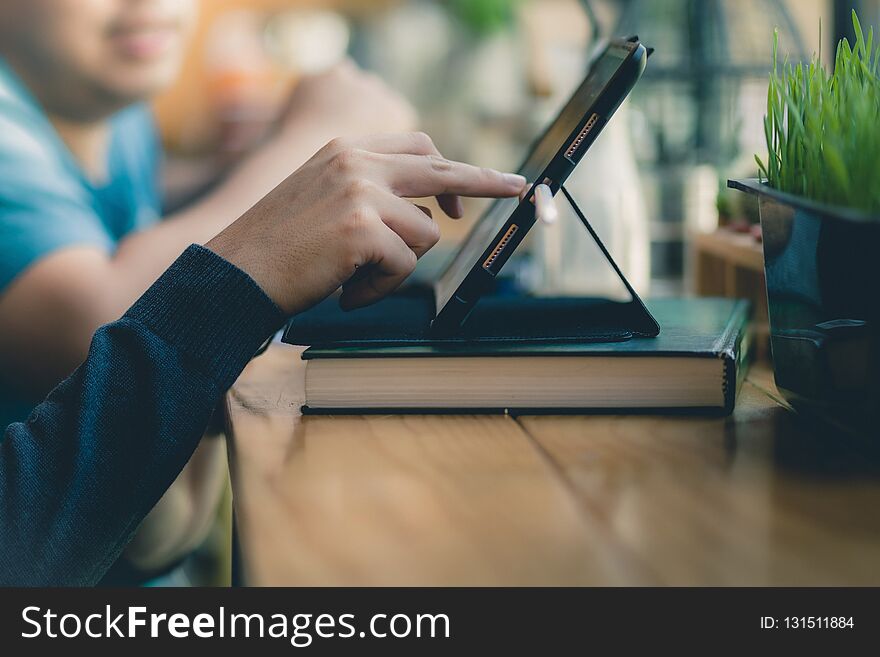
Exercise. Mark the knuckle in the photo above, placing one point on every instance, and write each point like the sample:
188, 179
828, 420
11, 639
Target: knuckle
357, 221
423, 141
336, 145
347, 160
357, 189
411, 261
487, 173
439, 164
433, 233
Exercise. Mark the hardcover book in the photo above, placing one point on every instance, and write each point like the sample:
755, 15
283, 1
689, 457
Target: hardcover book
696, 364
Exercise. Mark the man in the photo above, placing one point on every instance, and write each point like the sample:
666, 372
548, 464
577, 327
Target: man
77, 480
80, 238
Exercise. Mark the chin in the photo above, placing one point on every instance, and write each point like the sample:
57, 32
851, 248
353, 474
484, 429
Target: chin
137, 83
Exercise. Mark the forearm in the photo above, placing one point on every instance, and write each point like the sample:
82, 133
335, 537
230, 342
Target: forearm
144, 255
181, 519
96, 456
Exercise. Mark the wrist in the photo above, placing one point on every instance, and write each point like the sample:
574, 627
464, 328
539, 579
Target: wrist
234, 248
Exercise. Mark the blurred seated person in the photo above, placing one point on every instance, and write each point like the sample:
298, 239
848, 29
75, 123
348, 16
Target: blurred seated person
82, 234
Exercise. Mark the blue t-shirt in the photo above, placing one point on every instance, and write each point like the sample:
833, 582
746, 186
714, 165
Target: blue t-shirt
47, 203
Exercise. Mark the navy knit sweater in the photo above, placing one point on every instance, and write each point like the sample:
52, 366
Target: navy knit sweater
78, 478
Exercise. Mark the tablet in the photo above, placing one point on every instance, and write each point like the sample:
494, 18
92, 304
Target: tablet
495, 236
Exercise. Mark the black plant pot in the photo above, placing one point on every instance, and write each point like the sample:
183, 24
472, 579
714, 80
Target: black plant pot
822, 266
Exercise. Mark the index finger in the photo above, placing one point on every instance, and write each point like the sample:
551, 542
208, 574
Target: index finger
416, 176
412, 143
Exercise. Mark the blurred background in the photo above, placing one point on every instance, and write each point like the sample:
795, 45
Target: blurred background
487, 76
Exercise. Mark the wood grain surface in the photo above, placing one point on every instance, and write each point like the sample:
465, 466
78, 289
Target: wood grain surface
756, 498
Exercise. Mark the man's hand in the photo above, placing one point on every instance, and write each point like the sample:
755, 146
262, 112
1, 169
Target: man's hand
342, 219
346, 102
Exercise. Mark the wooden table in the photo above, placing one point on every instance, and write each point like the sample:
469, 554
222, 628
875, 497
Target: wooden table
754, 499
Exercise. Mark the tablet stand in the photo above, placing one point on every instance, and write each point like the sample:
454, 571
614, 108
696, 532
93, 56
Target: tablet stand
646, 326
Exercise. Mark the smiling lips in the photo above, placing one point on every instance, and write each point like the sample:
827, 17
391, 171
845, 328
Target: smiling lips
145, 40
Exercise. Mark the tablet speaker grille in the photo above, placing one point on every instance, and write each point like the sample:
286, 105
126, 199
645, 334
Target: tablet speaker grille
576, 144
499, 248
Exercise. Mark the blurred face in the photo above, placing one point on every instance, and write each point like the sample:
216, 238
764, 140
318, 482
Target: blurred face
88, 58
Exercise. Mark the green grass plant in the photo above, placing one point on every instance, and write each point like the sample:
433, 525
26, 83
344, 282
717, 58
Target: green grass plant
823, 130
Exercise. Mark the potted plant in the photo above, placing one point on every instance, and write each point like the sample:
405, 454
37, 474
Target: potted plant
819, 200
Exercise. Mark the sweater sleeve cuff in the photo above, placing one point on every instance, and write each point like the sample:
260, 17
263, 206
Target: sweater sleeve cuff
209, 310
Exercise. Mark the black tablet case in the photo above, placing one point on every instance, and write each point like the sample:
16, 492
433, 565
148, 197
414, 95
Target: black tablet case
405, 319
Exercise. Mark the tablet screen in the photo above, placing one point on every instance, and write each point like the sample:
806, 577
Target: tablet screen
542, 154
